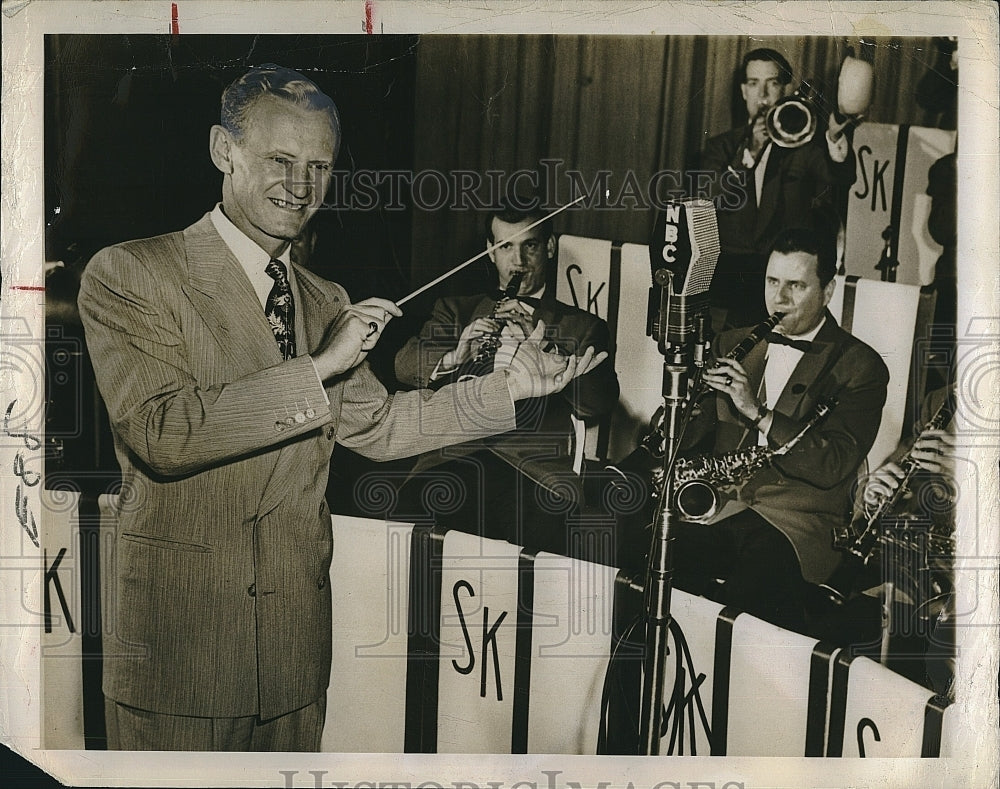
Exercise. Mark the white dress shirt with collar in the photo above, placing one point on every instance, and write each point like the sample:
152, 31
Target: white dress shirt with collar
780, 362
254, 260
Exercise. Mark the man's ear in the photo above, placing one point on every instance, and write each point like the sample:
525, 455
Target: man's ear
831, 286
220, 148
550, 247
491, 253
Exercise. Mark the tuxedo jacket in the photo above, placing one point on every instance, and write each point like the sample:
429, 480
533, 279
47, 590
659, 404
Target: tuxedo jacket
220, 597
795, 180
541, 446
807, 492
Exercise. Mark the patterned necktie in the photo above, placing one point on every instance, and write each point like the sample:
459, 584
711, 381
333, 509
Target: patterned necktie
280, 309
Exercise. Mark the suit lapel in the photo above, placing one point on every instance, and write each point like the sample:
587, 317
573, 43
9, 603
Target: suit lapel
482, 309
317, 308
753, 364
221, 293
811, 368
548, 310
769, 194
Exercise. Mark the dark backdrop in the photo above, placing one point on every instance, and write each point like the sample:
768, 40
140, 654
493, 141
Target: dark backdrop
127, 120
618, 103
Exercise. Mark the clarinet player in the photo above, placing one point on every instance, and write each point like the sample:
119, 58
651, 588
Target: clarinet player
517, 488
772, 536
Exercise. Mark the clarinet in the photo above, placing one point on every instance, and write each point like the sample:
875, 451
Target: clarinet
860, 539
482, 362
653, 442
864, 532
759, 332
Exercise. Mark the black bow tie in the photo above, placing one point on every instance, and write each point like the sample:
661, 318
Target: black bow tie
529, 300
780, 339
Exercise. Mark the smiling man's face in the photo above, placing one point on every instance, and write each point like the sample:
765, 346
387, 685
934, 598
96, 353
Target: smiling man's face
278, 172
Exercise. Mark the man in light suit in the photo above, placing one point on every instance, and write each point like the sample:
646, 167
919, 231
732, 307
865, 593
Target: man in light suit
516, 486
774, 533
766, 188
229, 375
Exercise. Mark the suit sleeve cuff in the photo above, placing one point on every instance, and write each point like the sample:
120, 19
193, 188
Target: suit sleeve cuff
326, 397
838, 150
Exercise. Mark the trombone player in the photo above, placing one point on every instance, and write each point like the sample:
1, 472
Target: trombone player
765, 187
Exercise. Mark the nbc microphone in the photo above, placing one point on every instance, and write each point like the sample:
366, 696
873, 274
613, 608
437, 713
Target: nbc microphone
682, 256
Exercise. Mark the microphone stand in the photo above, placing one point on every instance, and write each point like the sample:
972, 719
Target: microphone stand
677, 367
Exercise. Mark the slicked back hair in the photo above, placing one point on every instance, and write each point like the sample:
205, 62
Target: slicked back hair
512, 213
818, 241
272, 80
768, 56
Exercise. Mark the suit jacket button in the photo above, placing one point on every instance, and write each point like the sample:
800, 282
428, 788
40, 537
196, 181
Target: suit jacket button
290, 421
321, 582
252, 590
310, 413
330, 431
300, 417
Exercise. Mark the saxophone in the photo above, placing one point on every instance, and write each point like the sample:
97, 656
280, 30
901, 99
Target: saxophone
482, 363
861, 537
696, 480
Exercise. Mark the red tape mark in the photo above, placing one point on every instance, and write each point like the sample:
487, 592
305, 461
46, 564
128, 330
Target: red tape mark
369, 16
175, 28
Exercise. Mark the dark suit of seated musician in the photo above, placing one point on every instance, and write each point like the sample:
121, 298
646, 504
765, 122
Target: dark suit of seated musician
519, 488
774, 533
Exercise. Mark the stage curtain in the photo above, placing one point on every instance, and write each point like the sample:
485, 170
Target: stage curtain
620, 104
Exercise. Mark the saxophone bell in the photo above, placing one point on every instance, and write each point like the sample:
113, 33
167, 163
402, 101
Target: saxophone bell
696, 500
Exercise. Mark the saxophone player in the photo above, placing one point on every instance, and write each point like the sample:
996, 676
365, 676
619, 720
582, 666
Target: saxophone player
517, 488
772, 536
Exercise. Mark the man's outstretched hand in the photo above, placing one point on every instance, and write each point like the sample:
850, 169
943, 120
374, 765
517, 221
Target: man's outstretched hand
537, 373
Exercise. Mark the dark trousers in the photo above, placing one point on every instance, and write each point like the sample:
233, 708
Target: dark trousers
756, 564
132, 729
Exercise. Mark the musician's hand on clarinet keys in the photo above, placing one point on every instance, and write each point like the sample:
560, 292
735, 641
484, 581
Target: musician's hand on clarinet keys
468, 342
934, 451
517, 318
352, 334
881, 484
537, 373
729, 378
